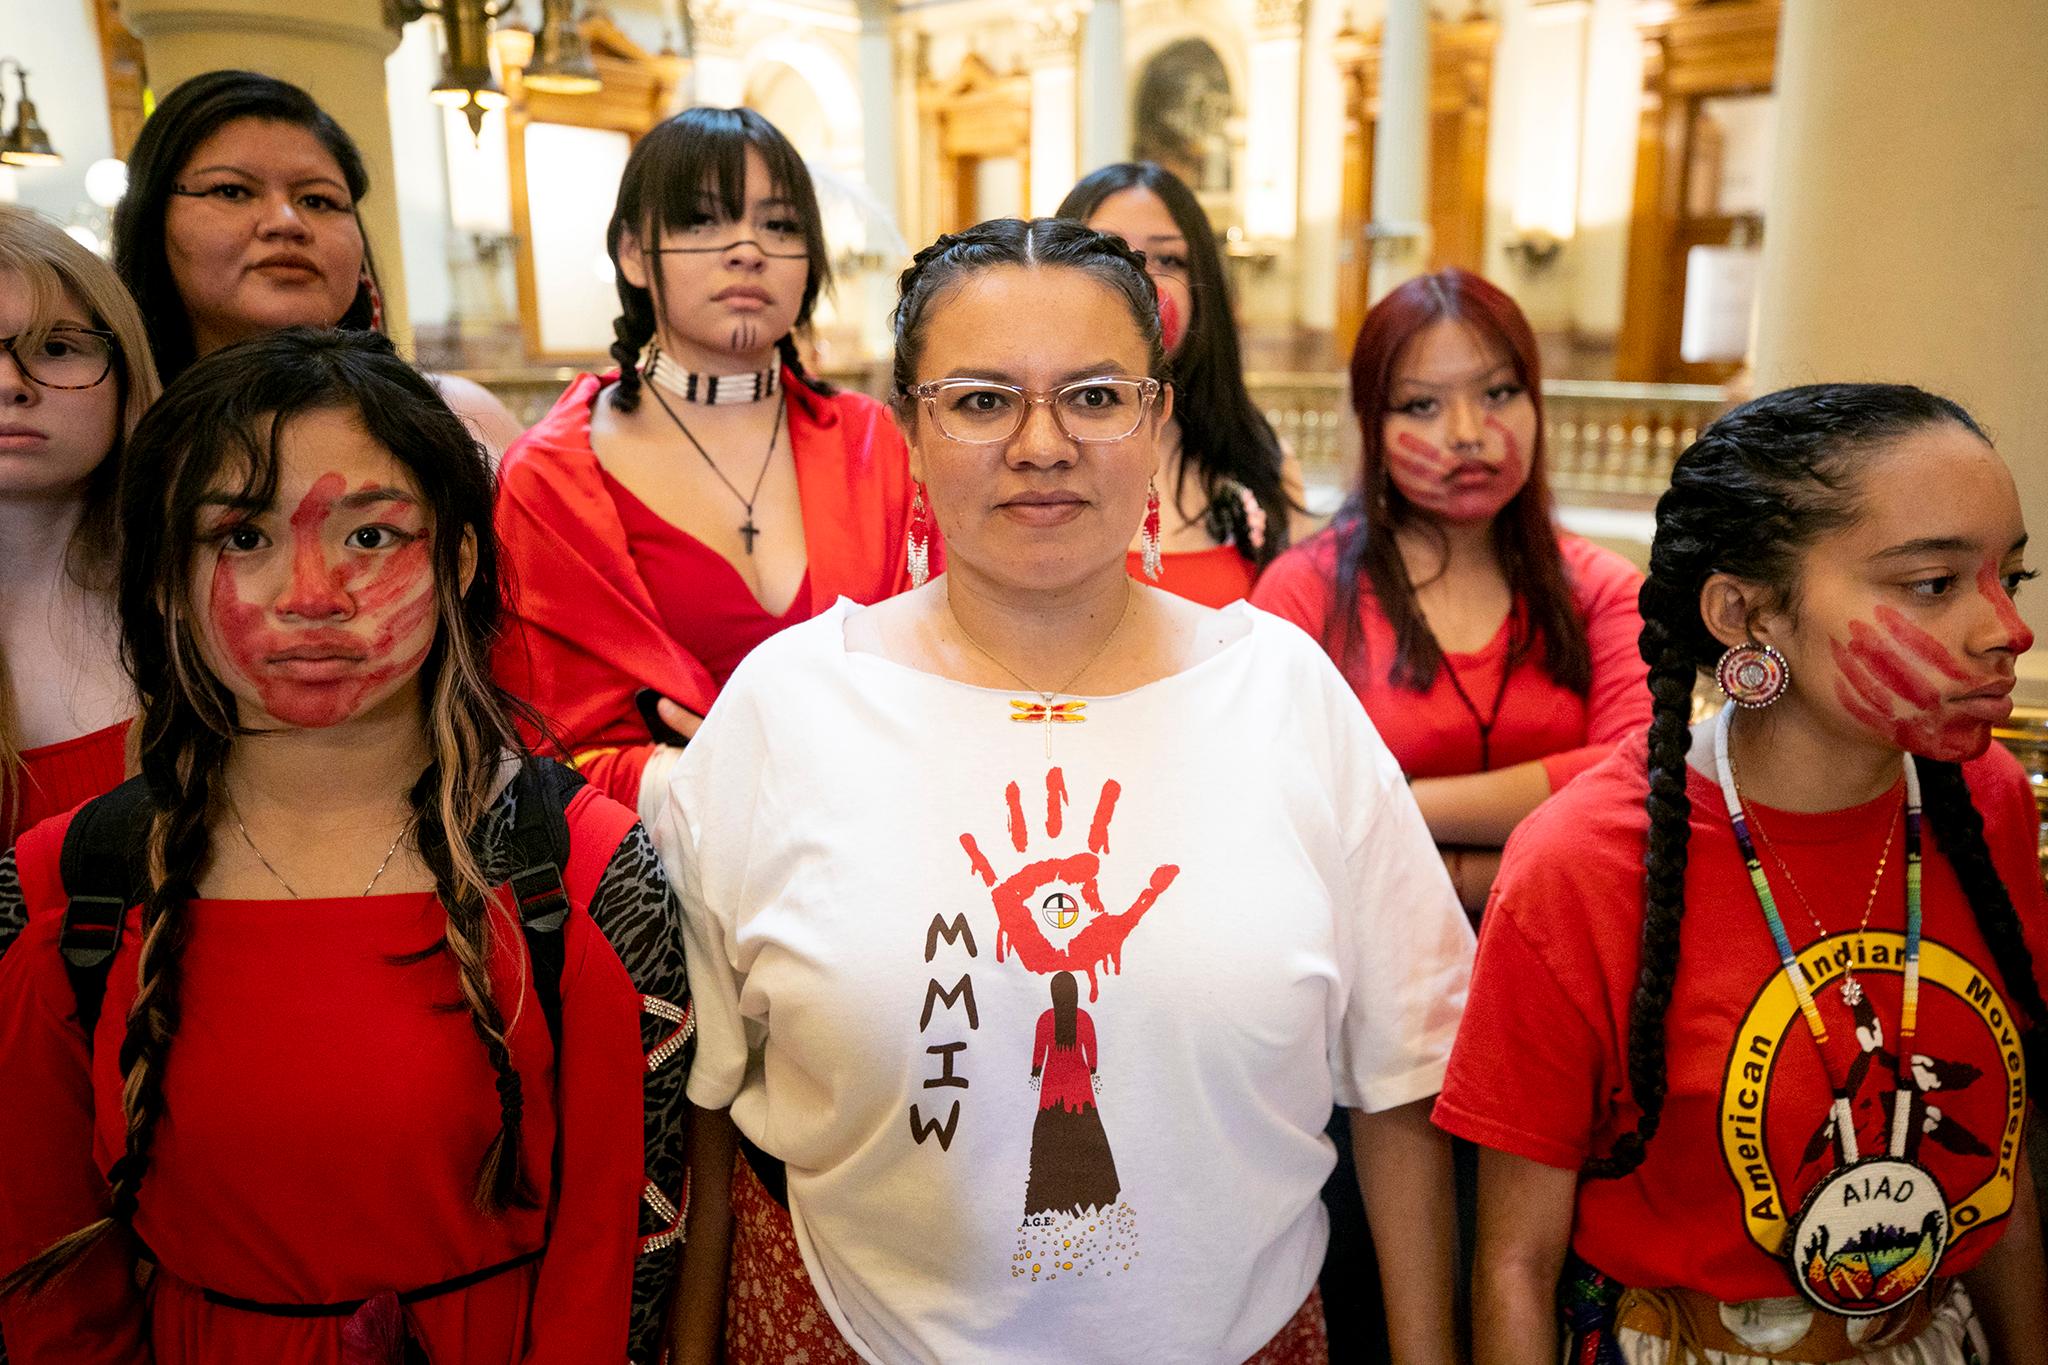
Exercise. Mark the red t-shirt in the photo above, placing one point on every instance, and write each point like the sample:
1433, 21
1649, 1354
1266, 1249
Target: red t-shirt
1540, 1065
1431, 732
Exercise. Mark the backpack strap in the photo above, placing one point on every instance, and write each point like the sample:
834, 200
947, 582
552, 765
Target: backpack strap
542, 791
104, 870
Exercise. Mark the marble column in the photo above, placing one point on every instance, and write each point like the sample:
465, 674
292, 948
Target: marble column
1105, 101
1400, 148
334, 50
877, 57
1051, 58
1902, 234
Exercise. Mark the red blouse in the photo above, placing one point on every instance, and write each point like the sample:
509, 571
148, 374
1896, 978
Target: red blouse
1435, 733
1066, 1074
52, 778
587, 633
1215, 577
697, 593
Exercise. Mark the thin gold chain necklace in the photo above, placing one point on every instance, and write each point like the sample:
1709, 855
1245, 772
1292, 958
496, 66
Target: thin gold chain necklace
1047, 710
1852, 989
375, 877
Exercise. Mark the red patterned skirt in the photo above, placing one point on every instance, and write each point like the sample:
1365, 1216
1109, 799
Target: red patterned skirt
773, 1314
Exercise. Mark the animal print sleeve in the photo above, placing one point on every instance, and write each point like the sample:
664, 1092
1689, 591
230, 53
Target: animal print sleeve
13, 915
642, 919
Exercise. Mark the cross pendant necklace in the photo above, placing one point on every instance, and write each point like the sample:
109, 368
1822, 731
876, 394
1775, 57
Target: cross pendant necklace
747, 528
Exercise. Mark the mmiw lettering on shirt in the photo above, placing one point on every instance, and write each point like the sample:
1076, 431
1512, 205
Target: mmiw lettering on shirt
945, 1006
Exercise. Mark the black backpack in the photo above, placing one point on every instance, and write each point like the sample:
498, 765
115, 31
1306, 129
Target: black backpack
105, 872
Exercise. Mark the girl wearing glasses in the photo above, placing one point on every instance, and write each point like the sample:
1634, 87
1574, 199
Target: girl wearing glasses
1038, 782
75, 374
1230, 494
666, 518
240, 219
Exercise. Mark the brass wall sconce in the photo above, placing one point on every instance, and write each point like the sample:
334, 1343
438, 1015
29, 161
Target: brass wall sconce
26, 143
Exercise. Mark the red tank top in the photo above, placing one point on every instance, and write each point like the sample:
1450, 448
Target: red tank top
1215, 577
701, 599
52, 778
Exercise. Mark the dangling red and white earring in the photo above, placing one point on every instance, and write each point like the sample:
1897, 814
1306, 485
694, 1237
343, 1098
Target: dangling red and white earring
920, 539
368, 282
1149, 537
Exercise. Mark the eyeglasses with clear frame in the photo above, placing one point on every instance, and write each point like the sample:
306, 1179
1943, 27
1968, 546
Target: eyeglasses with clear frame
984, 412
67, 358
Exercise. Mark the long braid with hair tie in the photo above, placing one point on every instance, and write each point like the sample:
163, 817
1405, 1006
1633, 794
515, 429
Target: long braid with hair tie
1672, 674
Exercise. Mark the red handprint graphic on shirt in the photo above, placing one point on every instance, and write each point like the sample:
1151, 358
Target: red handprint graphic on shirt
1062, 894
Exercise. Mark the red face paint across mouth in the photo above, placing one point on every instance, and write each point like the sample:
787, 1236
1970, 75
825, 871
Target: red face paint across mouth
1906, 685
344, 627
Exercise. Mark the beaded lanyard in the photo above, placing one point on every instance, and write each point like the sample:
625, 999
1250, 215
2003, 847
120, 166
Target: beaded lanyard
1826, 1202
1909, 1008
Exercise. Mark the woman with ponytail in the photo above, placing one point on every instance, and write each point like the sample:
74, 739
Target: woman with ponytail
668, 517
1759, 1005
330, 1096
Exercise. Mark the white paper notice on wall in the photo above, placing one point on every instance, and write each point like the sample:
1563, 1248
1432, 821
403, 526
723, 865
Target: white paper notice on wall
1720, 299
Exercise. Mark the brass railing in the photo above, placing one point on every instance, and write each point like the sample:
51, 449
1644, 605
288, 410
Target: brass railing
2026, 734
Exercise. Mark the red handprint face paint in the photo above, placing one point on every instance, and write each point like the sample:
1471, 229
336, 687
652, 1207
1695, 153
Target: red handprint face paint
1904, 683
1458, 436
321, 606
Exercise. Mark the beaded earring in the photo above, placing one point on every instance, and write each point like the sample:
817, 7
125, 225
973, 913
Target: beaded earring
919, 548
1752, 675
1149, 537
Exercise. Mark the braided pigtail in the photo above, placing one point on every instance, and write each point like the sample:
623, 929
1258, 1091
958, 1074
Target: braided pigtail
1959, 829
787, 350
1672, 675
632, 329
467, 939
177, 850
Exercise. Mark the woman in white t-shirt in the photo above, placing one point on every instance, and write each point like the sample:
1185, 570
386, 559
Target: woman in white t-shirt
903, 824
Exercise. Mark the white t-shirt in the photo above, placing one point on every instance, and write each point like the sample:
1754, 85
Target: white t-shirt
885, 880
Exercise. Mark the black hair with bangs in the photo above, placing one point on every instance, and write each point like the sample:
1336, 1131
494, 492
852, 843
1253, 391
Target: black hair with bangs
682, 160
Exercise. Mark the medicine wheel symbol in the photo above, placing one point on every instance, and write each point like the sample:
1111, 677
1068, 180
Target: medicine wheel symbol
1060, 910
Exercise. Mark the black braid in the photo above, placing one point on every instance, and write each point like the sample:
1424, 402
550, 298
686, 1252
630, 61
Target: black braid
1672, 675
1959, 830
501, 1180
1746, 499
632, 329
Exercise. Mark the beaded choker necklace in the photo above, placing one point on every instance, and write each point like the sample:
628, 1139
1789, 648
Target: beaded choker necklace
711, 389
1872, 1232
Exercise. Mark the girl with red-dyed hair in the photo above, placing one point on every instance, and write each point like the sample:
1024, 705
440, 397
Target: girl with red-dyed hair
1495, 654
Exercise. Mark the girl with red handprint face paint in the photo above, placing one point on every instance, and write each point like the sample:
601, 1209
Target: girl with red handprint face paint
1760, 1003
906, 827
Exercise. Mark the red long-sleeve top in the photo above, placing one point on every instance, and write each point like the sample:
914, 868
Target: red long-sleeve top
324, 1114
1432, 732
